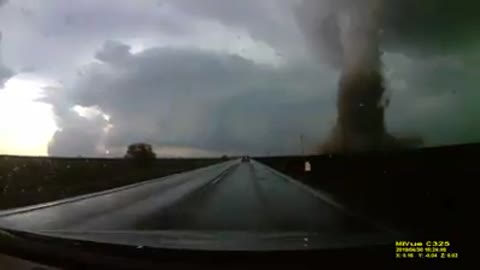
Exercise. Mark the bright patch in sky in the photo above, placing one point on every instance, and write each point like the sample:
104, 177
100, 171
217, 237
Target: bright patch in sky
26, 125
90, 112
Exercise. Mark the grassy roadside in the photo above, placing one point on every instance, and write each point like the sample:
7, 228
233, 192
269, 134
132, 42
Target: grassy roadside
30, 180
417, 190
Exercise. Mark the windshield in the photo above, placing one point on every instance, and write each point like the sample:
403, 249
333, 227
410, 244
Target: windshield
213, 116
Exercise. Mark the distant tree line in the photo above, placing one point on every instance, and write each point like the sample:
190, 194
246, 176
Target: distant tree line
141, 154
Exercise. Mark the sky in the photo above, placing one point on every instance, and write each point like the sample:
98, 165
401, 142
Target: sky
213, 77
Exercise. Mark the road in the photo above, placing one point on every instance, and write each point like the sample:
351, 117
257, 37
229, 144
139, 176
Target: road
251, 198
231, 196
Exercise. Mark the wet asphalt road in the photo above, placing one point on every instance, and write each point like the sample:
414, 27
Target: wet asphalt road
251, 197
231, 196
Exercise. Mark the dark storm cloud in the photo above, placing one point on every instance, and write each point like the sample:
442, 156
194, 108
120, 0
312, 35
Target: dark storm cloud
112, 52
5, 72
65, 33
270, 21
271, 122
431, 26
319, 22
172, 72
431, 76
62, 18
197, 99
436, 98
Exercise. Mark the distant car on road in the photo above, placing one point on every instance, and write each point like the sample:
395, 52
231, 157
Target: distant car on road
245, 159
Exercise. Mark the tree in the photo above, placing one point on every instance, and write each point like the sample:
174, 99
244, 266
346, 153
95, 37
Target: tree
141, 153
